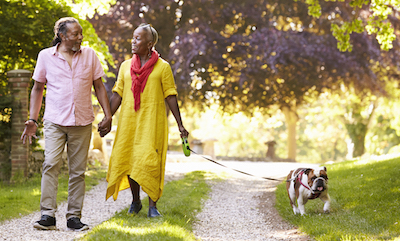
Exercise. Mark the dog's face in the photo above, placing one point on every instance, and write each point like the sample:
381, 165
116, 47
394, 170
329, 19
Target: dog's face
318, 179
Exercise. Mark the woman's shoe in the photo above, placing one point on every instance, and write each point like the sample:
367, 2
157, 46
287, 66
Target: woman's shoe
136, 206
153, 213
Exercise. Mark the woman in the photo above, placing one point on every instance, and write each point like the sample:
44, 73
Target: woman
145, 83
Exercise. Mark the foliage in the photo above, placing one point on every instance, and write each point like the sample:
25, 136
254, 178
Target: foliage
244, 55
262, 56
356, 116
26, 27
359, 204
180, 203
87, 8
322, 133
374, 17
23, 196
117, 26
236, 135
385, 128
383, 137
252, 55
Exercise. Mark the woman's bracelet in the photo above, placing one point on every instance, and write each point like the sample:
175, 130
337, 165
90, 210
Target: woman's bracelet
36, 123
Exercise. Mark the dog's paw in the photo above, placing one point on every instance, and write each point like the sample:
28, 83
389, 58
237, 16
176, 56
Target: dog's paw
296, 211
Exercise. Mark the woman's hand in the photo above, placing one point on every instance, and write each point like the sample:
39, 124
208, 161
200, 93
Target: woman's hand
104, 127
183, 131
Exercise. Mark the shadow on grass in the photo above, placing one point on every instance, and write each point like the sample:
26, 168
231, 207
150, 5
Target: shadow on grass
179, 205
123, 227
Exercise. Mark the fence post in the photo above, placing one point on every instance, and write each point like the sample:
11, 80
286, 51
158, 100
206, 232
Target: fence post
19, 86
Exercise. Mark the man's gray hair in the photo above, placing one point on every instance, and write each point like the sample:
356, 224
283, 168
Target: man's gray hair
61, 27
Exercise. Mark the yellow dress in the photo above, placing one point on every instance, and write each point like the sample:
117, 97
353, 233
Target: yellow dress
141, 141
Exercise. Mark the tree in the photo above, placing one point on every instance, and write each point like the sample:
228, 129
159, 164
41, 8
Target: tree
26, 27
250, 62
116, 27
374, 17
244, 55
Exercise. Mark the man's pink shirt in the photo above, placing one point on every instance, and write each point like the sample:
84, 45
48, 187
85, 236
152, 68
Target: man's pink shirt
69, 90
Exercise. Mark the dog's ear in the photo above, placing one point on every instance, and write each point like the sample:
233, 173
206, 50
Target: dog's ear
307, 171
324, 167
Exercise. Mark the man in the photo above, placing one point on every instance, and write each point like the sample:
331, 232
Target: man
69, 72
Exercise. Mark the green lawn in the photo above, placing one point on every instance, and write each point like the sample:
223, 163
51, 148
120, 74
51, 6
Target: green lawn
365, 199
180, 203
23, 197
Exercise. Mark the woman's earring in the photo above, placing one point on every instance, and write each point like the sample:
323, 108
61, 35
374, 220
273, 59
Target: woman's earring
149, 53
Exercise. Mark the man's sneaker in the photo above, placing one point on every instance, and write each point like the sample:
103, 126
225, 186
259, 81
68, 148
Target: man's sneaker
46, 222
75, 224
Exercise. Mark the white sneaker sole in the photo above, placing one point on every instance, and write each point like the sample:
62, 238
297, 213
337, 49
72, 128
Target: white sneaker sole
41, 227
84, 228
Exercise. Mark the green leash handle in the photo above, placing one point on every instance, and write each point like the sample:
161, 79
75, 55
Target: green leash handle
185, 146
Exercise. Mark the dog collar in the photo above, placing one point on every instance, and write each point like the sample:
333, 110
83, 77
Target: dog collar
313, 194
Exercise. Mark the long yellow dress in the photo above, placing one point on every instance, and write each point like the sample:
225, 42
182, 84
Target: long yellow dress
141, 141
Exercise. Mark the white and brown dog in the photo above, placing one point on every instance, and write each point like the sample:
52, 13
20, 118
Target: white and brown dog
304, 184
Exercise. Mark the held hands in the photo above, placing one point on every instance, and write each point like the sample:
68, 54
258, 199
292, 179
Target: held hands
104, 126
29, 131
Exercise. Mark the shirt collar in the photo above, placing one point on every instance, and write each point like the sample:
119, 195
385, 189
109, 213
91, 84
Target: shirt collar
56, 47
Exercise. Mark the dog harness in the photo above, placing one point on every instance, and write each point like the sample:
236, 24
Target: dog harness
313, 194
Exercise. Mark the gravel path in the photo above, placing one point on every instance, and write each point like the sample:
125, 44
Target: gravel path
95, 210
240, 208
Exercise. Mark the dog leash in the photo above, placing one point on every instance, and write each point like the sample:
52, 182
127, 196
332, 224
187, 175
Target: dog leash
208, 159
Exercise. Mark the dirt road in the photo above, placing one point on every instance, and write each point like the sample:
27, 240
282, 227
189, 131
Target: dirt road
242, 206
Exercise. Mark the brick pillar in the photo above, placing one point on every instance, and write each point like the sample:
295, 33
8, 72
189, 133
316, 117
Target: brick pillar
19, 85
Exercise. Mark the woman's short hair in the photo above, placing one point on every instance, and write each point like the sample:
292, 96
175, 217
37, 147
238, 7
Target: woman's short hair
61, 27
152, 33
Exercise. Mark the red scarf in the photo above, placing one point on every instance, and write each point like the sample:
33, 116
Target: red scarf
140, 74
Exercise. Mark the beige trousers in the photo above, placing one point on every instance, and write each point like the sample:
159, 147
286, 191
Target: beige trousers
77, 139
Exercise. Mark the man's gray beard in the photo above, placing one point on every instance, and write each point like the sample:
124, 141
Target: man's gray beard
75, 49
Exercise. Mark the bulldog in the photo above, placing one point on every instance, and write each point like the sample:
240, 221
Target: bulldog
304, 184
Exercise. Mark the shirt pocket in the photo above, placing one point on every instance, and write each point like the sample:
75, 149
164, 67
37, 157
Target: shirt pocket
85, 72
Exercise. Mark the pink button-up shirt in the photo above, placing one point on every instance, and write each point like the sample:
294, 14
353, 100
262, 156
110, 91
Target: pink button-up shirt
69, 90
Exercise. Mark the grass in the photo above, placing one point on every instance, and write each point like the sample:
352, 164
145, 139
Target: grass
180, 203
23, 197
365, 200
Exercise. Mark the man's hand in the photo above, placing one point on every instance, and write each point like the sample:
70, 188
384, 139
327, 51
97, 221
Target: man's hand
104, 126
29, 131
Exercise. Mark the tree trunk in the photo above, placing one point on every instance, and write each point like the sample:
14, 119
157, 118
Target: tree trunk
291, 121
357, 125
357, 133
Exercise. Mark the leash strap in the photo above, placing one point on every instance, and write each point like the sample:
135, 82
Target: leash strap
267, 178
